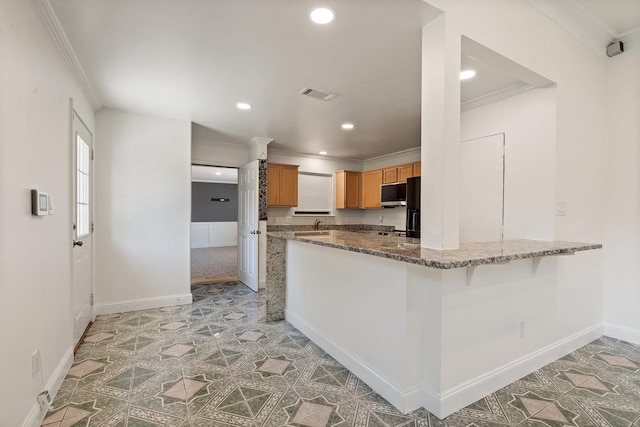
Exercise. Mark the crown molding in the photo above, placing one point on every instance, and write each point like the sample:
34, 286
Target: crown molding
584, 25
63, 42
315, 156
494, 96
256, 140
396, 155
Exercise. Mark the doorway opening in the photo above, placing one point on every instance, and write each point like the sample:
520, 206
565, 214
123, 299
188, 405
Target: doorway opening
214, 224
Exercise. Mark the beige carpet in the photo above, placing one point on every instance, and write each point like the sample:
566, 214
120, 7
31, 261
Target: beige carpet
211, 265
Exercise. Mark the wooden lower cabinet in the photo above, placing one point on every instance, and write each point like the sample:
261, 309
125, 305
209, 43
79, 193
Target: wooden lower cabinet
348, 192
371, 182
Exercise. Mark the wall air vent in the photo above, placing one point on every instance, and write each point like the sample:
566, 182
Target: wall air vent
318, 94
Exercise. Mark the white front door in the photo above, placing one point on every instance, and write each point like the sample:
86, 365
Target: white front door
81, 294
248, 224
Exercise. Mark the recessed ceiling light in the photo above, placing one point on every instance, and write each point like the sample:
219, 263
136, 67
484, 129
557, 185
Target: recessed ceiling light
323, 153
467, 74
347, 126
322, 15
218, 173
244, 106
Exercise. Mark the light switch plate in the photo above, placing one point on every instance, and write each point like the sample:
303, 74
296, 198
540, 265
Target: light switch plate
561, 208
35, 363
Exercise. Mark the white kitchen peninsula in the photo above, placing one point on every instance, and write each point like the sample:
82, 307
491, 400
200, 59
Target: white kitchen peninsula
422, 327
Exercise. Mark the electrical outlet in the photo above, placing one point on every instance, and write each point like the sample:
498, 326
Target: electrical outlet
44, 399
35, 363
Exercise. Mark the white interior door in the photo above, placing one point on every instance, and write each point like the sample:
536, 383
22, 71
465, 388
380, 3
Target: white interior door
248, 224
82, 292
482, 189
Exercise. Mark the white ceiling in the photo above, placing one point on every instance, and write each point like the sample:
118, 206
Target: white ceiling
595, 22
195, 59
622, 16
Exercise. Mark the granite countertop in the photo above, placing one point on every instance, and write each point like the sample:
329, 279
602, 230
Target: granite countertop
407, 249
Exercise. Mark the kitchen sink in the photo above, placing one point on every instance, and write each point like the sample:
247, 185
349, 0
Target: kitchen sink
311, 233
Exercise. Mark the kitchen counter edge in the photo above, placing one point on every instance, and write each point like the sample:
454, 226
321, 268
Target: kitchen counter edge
408, 250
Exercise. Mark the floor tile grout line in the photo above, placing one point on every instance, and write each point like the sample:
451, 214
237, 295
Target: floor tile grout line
240, 302
566, 394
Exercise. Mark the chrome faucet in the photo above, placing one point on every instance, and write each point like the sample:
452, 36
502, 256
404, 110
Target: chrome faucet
316, 224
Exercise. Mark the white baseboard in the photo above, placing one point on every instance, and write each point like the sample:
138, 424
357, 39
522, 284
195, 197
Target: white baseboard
405, 401
450, 401
622, 333
218, 244
36, 415
458, 397
143, 304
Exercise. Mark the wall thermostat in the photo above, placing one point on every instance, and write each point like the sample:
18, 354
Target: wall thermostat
40, 203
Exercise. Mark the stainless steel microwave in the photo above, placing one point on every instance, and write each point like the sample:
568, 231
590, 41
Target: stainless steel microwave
393, 194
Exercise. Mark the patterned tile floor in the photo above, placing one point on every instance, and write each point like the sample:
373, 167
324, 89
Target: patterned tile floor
217, 363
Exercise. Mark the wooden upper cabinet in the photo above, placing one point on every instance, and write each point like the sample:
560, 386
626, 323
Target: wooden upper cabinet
282, 185
390, 175
417, 169
397, 173
348, 189
371, 182
362, 189
404, 172
273, 185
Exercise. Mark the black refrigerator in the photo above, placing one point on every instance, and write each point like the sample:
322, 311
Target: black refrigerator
413, 207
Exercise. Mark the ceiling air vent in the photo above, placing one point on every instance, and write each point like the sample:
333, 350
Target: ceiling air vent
318, 94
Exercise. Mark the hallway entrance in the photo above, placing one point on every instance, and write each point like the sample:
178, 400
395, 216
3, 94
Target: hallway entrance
214, 226
213, 265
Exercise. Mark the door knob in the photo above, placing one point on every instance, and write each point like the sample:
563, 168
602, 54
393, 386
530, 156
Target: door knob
77, 243
252, 232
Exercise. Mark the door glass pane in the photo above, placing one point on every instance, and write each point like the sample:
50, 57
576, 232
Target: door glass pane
83, 184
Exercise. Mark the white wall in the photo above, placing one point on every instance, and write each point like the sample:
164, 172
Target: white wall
528, 121
516, 31
482, 353
375, 338
548, 50
214, 234
35, 253
143, 211
622, 226
205, 152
